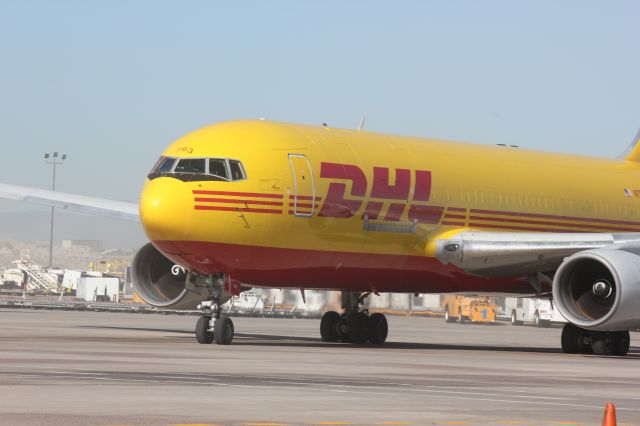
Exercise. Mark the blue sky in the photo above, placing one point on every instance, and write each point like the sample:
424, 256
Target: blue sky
111, 83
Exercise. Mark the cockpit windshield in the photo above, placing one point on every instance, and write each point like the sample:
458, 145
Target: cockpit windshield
191, 165
218, 167
195, 169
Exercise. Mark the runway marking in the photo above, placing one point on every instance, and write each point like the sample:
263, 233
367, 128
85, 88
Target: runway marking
194, 376
265, 424
194, 424
566, 423
153, 375
387, 384
297, 389
397, 423
417, 387
80, 375
428, 388
332, 423
204, 381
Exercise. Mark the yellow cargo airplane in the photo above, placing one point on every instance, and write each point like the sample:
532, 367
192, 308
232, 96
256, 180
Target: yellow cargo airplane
261, 204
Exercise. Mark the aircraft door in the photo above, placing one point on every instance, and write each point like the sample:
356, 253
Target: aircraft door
303, 200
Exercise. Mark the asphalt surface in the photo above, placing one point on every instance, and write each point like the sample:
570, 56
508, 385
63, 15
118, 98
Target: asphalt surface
99, 368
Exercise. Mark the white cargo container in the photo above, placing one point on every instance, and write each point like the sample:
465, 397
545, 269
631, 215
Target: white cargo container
93, 289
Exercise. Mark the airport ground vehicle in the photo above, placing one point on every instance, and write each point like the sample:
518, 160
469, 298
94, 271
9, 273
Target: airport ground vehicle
457, 307
538, 311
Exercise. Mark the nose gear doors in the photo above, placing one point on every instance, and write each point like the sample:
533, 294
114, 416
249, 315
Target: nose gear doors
303, 200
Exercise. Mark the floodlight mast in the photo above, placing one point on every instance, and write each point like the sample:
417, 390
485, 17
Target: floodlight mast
54, 160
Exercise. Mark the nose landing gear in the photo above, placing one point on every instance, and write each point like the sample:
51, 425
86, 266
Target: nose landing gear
354, 326
212, 326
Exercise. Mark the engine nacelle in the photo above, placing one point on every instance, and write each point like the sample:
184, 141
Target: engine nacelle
599, 289
159, 283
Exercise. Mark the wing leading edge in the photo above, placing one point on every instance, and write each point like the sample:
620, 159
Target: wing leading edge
76, 203
496, 254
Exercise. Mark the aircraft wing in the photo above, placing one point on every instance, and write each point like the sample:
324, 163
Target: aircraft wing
496, 254
71, 202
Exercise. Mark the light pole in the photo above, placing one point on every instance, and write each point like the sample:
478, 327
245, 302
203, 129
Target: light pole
54, 160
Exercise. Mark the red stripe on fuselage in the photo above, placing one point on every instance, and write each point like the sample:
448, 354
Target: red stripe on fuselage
301, 205
520, 228
236, 209
303, 197
454, 216
538, 222
238, 194
305, 268
236, 201
551, 216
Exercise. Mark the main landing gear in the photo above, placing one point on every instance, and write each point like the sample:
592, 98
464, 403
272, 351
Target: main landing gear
212, 326
576, 340
353, 326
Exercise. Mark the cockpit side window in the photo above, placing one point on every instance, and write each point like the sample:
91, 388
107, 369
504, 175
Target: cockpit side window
218, 167
164, 165
191, 165
237, 171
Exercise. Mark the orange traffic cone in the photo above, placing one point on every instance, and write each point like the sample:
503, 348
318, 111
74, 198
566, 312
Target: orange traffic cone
609, 418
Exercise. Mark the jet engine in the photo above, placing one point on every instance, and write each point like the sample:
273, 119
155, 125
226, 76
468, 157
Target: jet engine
161, 283
599, 289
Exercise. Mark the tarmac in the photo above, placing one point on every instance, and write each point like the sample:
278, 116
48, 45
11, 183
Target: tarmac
104, 368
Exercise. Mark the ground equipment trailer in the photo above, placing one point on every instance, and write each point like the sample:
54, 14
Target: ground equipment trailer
461, 308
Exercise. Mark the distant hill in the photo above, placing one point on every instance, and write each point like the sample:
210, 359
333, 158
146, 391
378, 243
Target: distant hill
30, 226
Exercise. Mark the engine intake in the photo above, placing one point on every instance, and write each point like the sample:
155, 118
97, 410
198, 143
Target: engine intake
599, 289
160, 283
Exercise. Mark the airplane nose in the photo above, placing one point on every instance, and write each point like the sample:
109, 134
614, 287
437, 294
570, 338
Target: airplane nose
166, 208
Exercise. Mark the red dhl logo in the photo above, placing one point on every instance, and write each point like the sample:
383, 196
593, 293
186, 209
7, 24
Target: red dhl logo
398, 193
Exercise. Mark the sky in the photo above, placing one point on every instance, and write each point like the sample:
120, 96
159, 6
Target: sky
112, 83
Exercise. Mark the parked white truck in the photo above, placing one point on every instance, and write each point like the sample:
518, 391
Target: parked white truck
538, 311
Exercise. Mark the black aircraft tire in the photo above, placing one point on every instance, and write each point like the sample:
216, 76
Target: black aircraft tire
203, 335
342, 329
377, 328
223, 331
569, 339
357, 323
610, 342
329, 326
601, 342
621, 343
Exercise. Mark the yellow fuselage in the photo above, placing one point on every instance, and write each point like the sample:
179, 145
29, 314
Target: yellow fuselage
332, 208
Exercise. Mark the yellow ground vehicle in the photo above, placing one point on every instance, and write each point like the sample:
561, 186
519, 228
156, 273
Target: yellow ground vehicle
460, 308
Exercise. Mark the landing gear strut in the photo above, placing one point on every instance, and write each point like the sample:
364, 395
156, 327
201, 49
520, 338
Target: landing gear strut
212, 326
579, 340
354, 326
